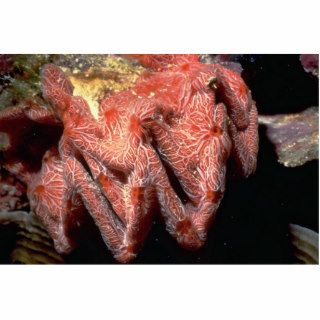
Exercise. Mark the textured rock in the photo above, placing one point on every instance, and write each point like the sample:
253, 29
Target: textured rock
305, 243
95, 76
295, 136
12, 193
310, 63
19, 78
33, 245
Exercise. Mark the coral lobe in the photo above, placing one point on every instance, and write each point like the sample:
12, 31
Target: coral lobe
117, 166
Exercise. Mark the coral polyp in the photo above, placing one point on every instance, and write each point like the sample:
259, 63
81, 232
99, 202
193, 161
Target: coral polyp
165, 144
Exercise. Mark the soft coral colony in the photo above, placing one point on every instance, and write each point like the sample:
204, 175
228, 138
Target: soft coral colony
164, 145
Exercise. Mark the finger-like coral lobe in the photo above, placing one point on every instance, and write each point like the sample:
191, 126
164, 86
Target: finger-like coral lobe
164, 143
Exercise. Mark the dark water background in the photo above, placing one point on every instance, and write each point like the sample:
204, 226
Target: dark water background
252, 221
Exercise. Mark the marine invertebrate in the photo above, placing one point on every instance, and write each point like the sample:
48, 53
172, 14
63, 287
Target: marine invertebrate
163, 143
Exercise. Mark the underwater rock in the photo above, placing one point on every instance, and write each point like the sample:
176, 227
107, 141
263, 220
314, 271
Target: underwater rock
33, 244
19, 78
295, 136
310, 63
12, 193
229, 61
95, 76
305, 243
6, 63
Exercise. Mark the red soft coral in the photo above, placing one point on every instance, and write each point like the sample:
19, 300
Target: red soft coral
163, 143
